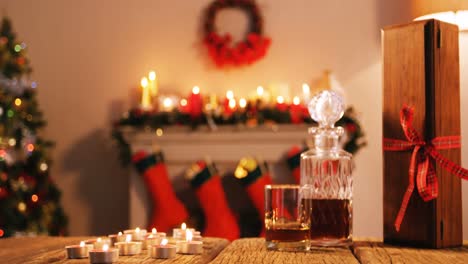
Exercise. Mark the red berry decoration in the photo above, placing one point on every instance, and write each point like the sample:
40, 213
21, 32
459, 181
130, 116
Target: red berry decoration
222, 51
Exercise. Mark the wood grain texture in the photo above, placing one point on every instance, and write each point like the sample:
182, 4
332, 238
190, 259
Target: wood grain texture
52, 250
253, 250
421, 69
379, 253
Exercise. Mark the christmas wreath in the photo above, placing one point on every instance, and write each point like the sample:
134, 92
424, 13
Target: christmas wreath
222, 49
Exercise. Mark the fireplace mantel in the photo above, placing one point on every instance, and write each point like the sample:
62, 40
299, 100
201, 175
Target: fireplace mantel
224, 146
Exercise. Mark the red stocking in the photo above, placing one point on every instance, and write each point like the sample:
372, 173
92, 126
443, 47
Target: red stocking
254, 179
168, 211
294, 160
219, 219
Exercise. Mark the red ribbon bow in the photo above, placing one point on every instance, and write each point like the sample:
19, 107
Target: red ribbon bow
426, 178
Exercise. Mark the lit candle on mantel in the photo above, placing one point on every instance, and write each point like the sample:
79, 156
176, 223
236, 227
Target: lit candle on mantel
305, 93
195, 103
280, 105
295, 111
145, 94
260, 92
229, 103
153, 83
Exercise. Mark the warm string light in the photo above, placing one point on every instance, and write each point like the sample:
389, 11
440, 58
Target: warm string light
242, 103
183, 102
196, 90
18, 102
34, 198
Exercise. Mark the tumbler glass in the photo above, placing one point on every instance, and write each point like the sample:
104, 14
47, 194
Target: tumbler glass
287, 218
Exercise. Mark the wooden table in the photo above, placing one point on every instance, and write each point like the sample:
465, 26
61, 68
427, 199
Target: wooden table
247, 250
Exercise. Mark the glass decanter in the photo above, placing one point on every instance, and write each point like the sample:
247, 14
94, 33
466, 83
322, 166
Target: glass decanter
326, 180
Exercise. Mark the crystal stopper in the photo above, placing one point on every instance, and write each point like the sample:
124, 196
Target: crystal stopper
326, 108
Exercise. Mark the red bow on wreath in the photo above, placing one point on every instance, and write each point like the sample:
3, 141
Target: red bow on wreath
423, 153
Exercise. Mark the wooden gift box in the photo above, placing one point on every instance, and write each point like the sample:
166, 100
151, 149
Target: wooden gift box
421, 69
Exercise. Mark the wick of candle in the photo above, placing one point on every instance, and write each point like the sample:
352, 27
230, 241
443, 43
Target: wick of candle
82, 244
154, 231
120, 233
105, 247
137, 230
164, 242
183, 226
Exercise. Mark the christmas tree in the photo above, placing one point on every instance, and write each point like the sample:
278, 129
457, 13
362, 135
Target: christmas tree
29, 199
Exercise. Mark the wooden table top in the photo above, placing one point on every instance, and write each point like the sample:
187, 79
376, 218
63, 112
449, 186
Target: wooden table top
247, 250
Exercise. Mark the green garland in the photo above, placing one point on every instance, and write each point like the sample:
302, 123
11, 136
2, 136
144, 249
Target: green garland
139, 119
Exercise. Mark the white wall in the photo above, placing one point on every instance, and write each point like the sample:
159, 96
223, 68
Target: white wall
88, 57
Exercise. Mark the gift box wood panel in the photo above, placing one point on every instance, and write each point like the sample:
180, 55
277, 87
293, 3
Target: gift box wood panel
421, 69
376, 252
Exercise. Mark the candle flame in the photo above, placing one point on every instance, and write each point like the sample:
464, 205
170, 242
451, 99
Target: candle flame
232, 103
280, 99
82, 244
128, 238
260, 91
137, 230
164, 242
152, 75
188, 235
105, 247
242, 102
183, 226
120, 233
167, 102
229, 94
99, 239
144, 82
183, 102
296, 100
196, 90
154, 231
305, 88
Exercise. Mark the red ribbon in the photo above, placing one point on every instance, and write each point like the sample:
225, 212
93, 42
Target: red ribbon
421, 165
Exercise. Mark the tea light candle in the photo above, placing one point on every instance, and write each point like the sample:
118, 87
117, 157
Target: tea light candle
98, 243
116, 238
189, 247
154, 238
137, 233
129, 248
78, 251
104, 255
163, 250
179, 233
